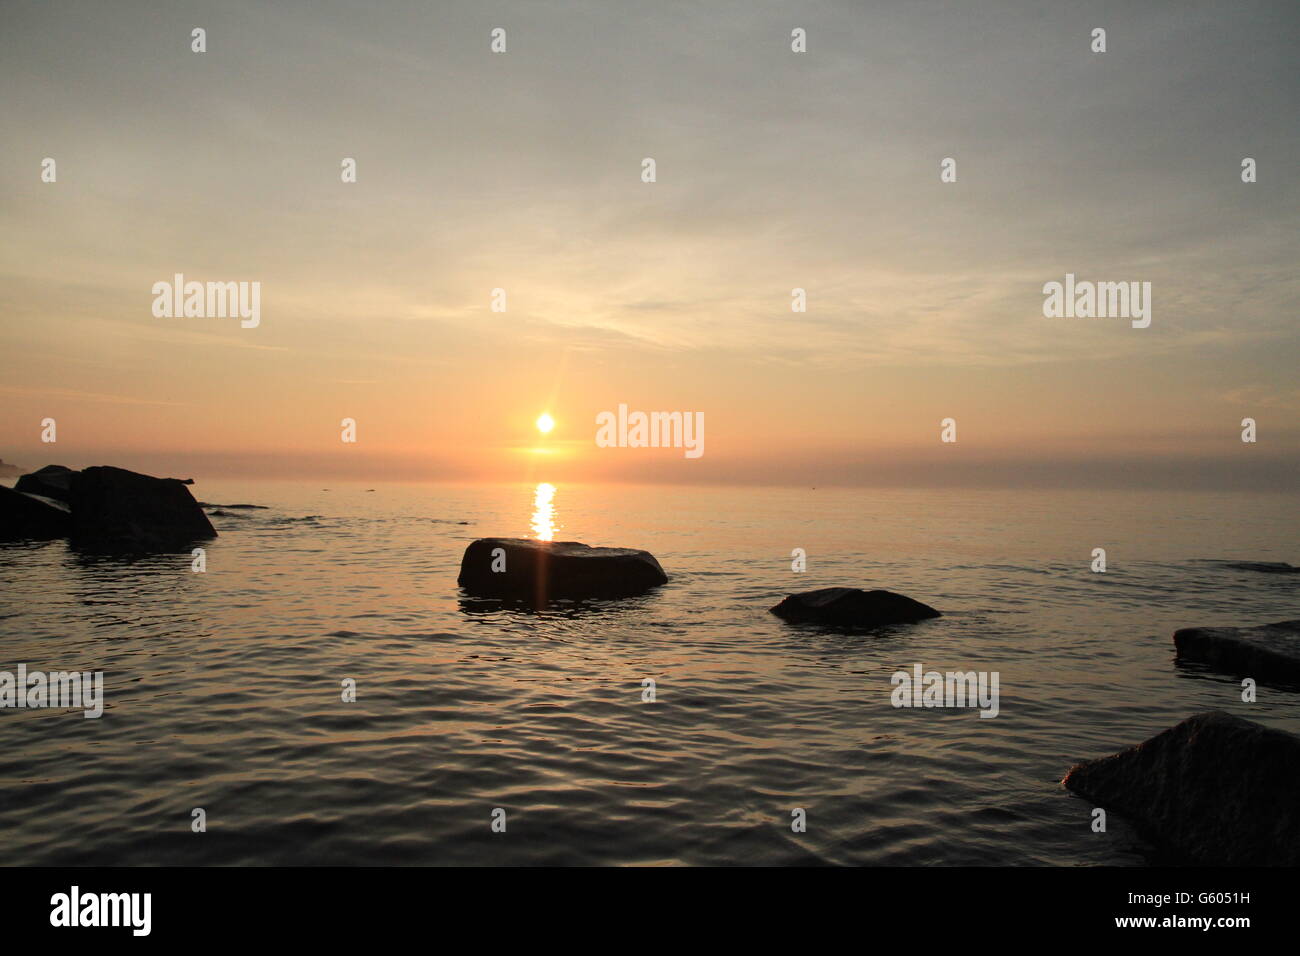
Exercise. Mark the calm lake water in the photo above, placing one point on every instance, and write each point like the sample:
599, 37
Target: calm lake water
223, 688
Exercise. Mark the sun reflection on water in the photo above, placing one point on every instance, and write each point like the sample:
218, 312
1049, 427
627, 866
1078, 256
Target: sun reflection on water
544, 512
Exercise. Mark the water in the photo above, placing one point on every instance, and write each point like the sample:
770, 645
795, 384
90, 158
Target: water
223, 689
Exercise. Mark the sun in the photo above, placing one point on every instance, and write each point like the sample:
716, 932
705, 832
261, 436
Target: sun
545, 423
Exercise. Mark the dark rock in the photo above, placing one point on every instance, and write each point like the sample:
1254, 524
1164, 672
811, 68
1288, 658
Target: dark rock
852, 607
25, 515
537, 571
1265, 567
52, 481
1268, 652
116, 509
1217, 789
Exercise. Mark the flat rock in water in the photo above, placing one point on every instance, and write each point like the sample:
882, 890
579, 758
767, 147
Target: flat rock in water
1268, 652
1265, 567
1217, 789
116, 509
52, 481
537, 571
852, 607
31, 516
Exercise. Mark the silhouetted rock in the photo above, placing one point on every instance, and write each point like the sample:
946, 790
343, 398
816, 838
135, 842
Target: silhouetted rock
852, 607
1217, 789
539, 570
116, 509
1265, 567
1268, 652
25, 515
52, 481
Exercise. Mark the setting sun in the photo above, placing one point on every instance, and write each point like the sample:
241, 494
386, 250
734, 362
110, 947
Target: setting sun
545, 423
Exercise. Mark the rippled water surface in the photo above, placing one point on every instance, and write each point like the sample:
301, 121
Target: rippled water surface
223, 689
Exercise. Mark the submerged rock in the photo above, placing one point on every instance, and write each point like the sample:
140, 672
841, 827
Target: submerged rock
852, 607
116, 509
52, 481
1267, 652
1265, 567
537, 571
31, 516
1217, 789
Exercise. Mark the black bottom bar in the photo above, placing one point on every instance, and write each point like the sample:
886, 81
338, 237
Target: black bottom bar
335, 906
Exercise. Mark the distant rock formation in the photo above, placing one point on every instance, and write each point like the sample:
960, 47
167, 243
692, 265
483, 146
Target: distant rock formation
114, 508
1217, 789
103, 508
31, 516
852, 607
537, 571
52, 481
1270, 652
8, 470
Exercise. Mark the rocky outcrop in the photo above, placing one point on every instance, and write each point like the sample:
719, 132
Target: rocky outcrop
1270, 652
31, 516
116, 509
1216, 789
52, 481
852, 607
537, 571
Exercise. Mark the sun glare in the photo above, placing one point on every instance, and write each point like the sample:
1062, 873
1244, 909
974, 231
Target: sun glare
545, 423
544, 512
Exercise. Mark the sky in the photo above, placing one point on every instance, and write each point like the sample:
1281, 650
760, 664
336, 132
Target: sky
775, 170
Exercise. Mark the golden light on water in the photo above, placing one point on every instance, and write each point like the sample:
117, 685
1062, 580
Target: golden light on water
545, 423
544, 512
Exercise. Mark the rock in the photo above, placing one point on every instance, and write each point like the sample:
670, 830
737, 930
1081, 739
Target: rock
537, 571
52, 481
1266, 567
8, 469
24, 515
1268, 652
116, 509
1217, 789
852, 607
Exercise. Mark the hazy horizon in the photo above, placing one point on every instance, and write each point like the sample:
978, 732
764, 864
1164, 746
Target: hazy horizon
775, 170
